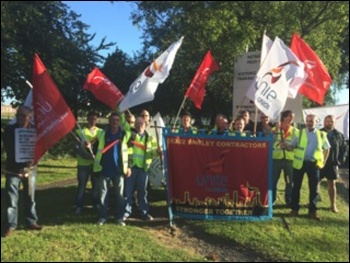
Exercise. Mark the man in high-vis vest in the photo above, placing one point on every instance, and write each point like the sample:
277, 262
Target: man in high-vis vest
144, 148
113, 163
311, 151
282, 159
86, 150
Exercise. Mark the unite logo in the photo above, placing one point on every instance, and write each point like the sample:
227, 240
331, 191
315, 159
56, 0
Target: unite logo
43, 109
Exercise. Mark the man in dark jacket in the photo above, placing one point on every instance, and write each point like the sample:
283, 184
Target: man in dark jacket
336, 157
18, 172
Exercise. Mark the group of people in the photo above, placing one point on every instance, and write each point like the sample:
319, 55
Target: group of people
123, 152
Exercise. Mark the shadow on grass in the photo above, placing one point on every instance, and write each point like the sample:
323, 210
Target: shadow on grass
55, 206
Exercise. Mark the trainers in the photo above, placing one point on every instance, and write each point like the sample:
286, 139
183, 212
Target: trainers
101, 221
35, 227
125, 216
9, 231
121, 222
78, 210
147, 217
294, 213
314, 216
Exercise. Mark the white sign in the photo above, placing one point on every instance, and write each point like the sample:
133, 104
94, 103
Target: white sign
25, 145
340, 112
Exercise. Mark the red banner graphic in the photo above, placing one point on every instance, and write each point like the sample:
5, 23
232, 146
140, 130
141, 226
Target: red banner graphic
218, 177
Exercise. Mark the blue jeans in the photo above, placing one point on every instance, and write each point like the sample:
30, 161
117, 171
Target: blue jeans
287, 167
12, 194
84, 172
313, 174
137, 181
118, 188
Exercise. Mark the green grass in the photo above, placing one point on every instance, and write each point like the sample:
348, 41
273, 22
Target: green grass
287, 238
69, 237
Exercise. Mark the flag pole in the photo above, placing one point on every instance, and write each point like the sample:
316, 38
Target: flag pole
29, 84
170, 212
256, 108
178, 113
84, 138
239, 108
255, 120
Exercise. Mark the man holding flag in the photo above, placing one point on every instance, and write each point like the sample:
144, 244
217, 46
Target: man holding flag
16, 173
112, 163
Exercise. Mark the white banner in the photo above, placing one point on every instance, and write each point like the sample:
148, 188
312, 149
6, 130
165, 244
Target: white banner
340, 112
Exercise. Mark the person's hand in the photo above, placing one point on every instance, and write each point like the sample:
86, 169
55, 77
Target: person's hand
128, 172
88, 145
159, 150
277, 126
284, 146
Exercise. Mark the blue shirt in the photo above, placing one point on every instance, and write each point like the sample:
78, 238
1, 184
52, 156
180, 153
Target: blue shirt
110, 159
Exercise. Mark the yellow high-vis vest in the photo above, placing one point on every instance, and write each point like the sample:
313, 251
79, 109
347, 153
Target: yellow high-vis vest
277, 153
124, 152
299, 151
92, 138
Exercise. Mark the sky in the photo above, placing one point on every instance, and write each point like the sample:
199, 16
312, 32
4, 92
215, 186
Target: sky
110, 20
113, 22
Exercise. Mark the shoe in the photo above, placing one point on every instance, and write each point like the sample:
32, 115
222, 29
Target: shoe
101, 221
121, 222
314, 216
147, 217
78, 210
294, 213
334, 209
35, 227
126, 216
9, 231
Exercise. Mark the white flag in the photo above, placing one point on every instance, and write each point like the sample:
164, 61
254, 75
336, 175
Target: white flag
281, 58
271, 96
265, 48
144, 87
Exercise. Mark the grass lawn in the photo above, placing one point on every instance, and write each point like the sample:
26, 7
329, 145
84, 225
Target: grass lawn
70, 237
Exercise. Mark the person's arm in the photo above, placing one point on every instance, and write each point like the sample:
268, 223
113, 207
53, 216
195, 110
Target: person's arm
291, 146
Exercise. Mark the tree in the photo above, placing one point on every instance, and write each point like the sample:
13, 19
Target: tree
226, 28
50, 29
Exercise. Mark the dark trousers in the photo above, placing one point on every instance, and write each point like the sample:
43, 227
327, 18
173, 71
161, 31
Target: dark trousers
313, 174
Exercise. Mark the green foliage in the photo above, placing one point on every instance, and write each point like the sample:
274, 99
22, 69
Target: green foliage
50, 29
226, 28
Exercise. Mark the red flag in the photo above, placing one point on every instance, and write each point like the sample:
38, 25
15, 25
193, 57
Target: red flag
197, 88
53, 118
318, 80
103, 89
